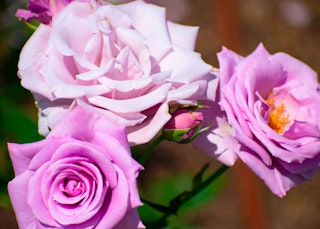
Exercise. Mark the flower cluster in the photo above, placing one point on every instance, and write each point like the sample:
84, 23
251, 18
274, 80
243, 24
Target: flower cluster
106, 77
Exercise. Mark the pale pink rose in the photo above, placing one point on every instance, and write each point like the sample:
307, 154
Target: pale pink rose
126, 62
81, 176
270, 109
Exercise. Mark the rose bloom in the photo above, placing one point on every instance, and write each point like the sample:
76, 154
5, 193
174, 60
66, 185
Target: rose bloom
272, 108
81, 176
126, 62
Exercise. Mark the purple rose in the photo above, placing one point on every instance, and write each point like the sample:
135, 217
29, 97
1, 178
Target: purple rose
42, 10
125, 61
81, 176
272, 103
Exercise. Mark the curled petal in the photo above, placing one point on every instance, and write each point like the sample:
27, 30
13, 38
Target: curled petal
132, 105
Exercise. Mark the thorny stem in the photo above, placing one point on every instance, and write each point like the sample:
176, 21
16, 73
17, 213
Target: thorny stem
188, 195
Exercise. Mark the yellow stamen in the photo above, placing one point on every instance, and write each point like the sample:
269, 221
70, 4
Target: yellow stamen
277, 117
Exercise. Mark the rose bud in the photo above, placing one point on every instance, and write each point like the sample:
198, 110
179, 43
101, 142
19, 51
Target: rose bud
183, 126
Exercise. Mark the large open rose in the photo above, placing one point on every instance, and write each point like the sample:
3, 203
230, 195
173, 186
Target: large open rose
126, 61
270, 117
81, 176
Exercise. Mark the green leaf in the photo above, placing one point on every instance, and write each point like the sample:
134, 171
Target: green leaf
32, 27
16, 125
174, 134
5, 201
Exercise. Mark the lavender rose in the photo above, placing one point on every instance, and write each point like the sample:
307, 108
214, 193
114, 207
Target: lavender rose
126, 61
272, 103
81, 176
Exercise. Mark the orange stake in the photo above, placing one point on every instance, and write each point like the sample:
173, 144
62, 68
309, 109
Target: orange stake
250, 199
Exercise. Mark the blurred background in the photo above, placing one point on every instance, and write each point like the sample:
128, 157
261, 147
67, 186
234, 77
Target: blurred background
237, 200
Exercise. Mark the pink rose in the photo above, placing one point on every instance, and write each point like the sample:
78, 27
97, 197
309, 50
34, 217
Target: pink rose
272, 103
81, 176
126, 62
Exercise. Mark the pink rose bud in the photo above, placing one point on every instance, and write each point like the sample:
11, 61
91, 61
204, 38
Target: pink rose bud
183, 126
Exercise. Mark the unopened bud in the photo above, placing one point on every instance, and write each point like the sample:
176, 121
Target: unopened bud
183, 126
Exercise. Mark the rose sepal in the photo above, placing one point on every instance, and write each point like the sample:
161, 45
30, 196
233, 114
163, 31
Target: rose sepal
175, 135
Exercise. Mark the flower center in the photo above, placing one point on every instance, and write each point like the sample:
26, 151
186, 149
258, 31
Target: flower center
73, 187
278, 118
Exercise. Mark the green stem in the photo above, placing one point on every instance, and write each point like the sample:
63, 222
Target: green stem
189, 195
149, 151
209, 180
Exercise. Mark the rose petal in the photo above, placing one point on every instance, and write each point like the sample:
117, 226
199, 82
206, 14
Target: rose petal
184, 72
23, 212
276, 178
21, 155
154, 29
178, 34
124, 162
117, 205
132, 105
137, 44
149, 128
130, 220
220, 132
297, 70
